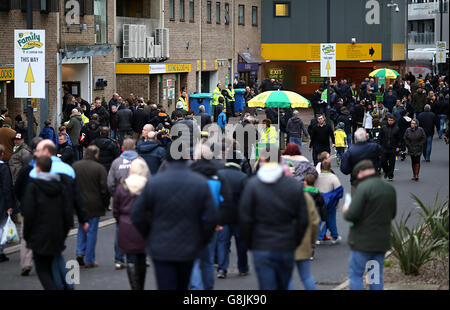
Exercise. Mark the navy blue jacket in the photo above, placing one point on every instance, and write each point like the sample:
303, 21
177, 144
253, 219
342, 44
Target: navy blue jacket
360, 151
153, 154
175, 213
236, 180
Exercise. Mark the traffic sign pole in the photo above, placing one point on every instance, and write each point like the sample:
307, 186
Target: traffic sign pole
28, 79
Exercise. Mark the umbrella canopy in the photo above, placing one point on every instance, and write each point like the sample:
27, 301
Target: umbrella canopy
279, 99
385, 73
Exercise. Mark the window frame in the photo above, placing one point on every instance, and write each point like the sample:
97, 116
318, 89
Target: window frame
209, 12
227, 5
218, 7
192, 5
182, 10
102, 30
253, 10
172, 10
243, 14
288, 3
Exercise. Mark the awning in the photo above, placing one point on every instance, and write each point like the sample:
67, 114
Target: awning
73, 61
249, 58
87, 51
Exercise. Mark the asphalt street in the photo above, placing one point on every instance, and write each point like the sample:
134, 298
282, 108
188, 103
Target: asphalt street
331, 261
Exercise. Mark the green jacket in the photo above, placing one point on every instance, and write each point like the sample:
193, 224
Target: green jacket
373, 207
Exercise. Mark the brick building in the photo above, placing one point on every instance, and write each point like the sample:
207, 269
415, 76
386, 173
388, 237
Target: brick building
75, 55
228, 30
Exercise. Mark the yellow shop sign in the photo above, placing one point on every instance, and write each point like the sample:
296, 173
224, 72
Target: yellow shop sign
6, 74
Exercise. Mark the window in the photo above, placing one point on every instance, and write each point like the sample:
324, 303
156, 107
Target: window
254, 16
282, 9
241, 17
227, 13
191, 11
100, 21
181, 10
208, 12
217, 12
171, 9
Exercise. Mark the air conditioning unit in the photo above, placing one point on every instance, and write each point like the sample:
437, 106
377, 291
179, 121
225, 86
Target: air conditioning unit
162, 38
141, 41
150, 47
130, 44
157, 50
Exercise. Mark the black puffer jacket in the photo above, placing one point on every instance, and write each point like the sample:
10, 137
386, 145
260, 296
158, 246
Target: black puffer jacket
272, 212
360, 151
109, 150
140, 118
389, 138
47, 218
124, 119
237, 180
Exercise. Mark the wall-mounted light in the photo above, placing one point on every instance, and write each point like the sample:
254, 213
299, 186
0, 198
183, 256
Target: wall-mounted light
393, 5
187, 45
353, 40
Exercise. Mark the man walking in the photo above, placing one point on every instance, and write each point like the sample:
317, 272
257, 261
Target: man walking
389, 139
109, 150
373, 207
91, 179
74, 129
22, 156
359, 151
320, 134
294, 129
273, 219
152, 152
124, 120
102, 113
180, 199
428, 121
119, 172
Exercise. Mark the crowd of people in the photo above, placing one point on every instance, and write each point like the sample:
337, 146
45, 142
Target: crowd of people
182, 211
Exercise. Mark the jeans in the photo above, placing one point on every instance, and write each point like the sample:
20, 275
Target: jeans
340, 153
118, 255
329, 224
442, 118
304, 271
223, 248
113, 134
121, 135
358, 261
296, 140
77, 153
349, 139
427, 148
274, 269
202, 277
172, 275
59, 272
86, 241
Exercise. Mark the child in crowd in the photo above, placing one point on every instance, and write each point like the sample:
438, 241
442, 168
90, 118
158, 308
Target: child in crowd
222, 120
340, 138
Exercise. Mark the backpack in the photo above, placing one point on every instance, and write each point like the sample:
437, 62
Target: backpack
320, 205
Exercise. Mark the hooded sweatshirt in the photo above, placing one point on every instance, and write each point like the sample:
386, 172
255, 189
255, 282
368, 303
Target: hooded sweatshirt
295, 127
120, 168
272, 211
153, 153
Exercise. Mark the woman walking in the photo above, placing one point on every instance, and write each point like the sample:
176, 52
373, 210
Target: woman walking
129, 240
414, 139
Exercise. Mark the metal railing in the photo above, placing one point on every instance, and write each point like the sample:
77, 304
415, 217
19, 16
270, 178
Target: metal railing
426, 38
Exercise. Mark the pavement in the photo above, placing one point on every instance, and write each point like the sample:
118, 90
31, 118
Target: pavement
331, 261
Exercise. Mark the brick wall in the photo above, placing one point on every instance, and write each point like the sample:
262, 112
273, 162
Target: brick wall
133, 83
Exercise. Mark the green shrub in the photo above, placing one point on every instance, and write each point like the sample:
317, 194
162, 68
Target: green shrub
413, 246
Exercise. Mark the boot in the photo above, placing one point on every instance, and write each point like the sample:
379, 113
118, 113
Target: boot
417, 171
132, 276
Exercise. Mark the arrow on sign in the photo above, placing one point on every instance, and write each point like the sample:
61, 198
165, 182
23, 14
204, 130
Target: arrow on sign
371, 51
328, 67
29, 78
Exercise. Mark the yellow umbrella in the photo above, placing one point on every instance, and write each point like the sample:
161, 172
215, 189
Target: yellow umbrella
384, 73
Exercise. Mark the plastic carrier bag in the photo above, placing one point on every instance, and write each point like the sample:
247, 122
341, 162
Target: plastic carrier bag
9, 233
